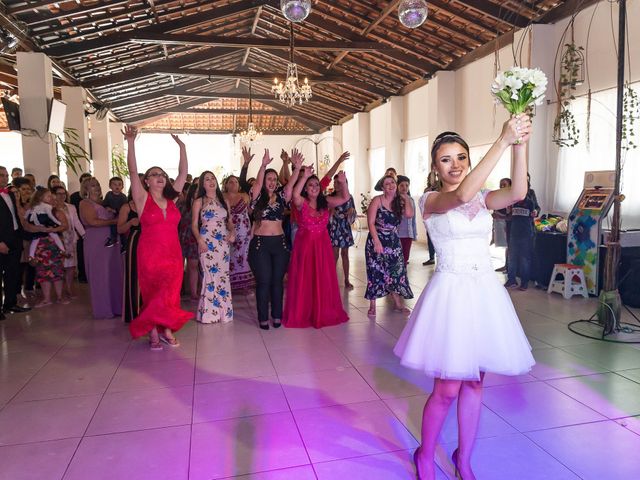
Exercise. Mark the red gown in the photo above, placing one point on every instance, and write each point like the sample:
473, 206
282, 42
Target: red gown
313, 297
160, 271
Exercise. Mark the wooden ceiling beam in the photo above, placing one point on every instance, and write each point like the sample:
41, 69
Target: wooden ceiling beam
568, 8
498, 12
206, 73
307, 120
230, 111
384, 14
29, 6
419, 63
318, 68
48, 17
256, 42
152, 68
187, 21
446, 9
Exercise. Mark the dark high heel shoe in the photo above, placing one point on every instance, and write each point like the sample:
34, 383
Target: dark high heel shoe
277, 323
415, 462
454, 459
264, 325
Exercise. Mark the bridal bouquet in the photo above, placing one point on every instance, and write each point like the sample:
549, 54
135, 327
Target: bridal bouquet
518, 89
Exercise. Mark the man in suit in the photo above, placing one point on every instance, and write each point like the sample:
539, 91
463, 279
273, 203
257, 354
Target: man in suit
10, 247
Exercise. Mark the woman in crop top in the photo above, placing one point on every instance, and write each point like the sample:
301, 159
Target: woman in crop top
268, 251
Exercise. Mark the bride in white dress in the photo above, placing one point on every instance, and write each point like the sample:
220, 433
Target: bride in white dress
464, 323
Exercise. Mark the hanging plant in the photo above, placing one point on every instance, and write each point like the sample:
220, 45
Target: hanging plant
119, 166
70, 152
630, 114
565, 130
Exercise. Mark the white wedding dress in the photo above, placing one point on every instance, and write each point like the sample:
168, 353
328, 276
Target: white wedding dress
464, 322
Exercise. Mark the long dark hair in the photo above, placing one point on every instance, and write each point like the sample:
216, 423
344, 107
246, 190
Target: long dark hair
321, 201
397, 204
50, 179
263, 198
202, 192
168, 191
446, 138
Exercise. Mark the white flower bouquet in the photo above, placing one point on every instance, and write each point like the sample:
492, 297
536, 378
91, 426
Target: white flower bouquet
519, 89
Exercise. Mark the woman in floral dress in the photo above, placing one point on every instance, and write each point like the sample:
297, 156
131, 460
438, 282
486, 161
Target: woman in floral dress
340, 228
386, 271
241, 275
214, 231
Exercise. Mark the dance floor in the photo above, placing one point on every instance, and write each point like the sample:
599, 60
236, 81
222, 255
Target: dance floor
80, 401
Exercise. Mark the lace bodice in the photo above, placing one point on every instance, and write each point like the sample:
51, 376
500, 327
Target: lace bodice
461, 237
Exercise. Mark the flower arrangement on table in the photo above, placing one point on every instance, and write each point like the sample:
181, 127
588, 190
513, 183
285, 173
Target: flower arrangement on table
519, 89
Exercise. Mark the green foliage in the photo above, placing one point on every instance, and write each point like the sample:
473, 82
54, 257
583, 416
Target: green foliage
119, 166
630, 114
565, 130
70, 152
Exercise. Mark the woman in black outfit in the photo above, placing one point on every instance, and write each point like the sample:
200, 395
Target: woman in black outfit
129, 225
268, 251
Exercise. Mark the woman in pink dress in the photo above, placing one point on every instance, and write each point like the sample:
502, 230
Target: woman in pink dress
160, 267
313, 297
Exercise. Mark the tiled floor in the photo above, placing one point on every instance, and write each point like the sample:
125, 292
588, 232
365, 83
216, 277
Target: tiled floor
80, 400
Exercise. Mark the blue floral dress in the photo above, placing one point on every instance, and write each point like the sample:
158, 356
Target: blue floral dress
340, 225
386, 272
215, 298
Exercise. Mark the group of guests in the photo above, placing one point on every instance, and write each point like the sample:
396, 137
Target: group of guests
40, 230
462, 326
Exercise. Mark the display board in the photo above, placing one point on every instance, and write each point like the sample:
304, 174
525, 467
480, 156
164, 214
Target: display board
585, 225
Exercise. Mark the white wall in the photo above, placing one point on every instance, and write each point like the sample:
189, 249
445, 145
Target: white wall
461, 100
11, 148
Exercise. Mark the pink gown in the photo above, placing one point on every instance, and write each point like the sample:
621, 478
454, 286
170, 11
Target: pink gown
160, 270
313, 298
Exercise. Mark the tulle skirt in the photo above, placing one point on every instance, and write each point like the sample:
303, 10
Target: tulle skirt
462, 325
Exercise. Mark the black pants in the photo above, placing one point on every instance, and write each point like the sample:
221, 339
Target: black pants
519, 257
10, 269
269, 260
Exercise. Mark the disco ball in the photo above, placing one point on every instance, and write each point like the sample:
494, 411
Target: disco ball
412, 13
295, 10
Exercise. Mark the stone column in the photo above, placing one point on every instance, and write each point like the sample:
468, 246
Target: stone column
75, 98
393, 146
35, 86
101, 151
441, 102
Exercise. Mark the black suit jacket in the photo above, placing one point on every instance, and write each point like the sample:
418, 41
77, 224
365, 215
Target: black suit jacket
12, 238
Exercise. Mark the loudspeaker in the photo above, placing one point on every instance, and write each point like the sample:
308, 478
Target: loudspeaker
630, 283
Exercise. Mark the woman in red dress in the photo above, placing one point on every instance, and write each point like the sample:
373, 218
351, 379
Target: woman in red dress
160, 267
313, 297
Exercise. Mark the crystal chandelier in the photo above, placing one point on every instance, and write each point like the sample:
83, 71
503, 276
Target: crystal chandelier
412, 13
290, 91
251, 134
295, 10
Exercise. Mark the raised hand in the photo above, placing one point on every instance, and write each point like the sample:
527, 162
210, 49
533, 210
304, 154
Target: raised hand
177, 140
517, 129
266, 159
130, 133
246, 155
307, 172
285, 156
344, 157
296, 158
